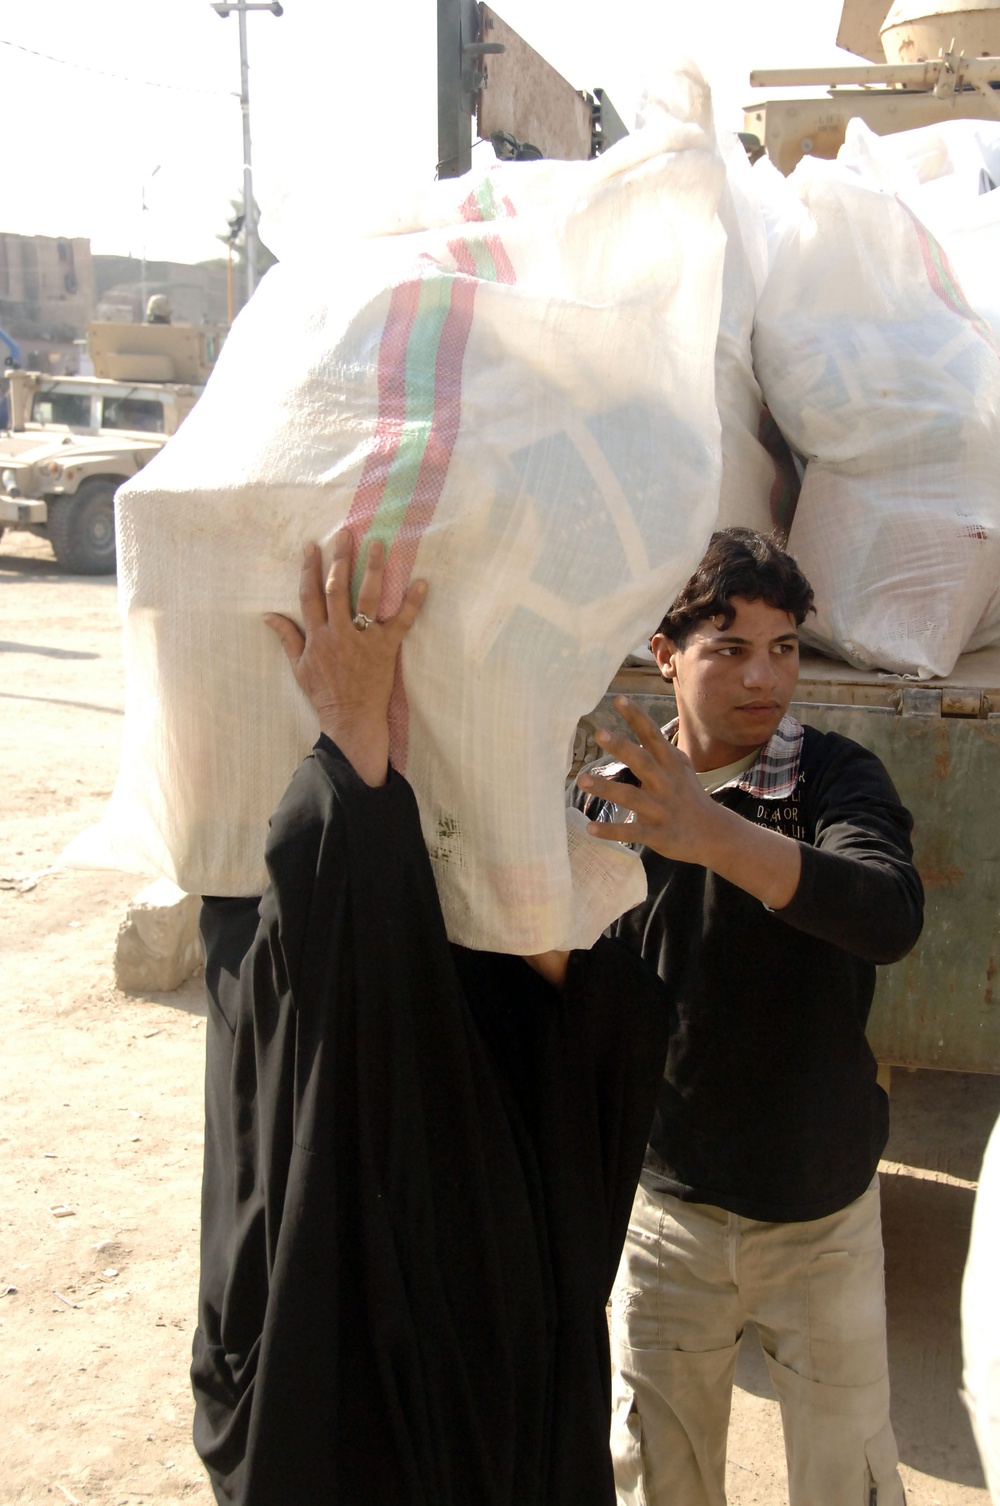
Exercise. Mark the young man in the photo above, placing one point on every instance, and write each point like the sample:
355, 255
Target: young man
780, 874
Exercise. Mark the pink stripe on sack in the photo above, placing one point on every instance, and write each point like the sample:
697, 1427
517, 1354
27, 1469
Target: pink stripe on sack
430, 483
464, 259
502, 262
447, 411
944, 282
391, 406
469, 208
440, 442
467, 264
441, 439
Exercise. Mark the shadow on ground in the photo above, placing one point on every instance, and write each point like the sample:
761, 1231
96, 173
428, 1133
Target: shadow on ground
33, 562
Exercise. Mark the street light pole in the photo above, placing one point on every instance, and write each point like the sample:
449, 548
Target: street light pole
223, 8
142, 276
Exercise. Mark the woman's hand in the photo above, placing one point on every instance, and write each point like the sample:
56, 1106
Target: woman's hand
346, 665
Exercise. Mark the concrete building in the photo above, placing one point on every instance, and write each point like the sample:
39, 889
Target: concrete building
46, 287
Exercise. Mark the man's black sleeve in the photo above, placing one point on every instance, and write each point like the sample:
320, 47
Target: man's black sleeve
859, 888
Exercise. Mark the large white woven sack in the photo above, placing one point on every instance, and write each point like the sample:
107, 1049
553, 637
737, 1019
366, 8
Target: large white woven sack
936, 169
759, 486
882, 376
754, 488
519, 401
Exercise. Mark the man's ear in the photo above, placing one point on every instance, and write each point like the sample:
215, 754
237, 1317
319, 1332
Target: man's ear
664, 652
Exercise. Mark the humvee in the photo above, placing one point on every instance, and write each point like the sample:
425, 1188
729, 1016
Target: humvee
74, 440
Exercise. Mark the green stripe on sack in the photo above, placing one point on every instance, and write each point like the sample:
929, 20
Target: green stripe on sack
421, 372
486, 269
486, 199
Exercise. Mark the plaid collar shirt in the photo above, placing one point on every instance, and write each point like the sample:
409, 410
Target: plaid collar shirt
775, 773
772, 776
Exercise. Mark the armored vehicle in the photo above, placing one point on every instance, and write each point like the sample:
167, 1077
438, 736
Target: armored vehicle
74, 440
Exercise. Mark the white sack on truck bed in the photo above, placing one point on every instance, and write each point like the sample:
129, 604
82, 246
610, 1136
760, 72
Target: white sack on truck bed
937, 170
520, 402
949, 175
888, 383
759, 485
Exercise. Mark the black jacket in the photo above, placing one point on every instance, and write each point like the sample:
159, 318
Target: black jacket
769, 1105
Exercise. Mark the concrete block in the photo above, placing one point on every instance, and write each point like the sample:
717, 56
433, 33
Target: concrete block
158, 946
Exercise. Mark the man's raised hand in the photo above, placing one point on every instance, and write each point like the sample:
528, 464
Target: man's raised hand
675, 817
670, 811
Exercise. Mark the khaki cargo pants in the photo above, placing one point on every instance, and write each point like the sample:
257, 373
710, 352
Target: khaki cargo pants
691, 1276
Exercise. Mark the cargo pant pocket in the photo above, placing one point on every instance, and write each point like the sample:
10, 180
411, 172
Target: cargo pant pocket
626, 1445
883, 1486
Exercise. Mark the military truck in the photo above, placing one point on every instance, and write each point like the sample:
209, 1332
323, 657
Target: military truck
74, 440
930, 61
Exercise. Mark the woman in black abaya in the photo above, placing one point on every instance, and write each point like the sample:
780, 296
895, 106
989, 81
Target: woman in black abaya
419, 1160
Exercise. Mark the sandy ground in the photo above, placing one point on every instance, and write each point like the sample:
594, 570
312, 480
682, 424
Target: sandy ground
100, 1138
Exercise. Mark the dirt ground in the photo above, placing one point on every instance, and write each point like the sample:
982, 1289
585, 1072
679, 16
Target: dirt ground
100, 1138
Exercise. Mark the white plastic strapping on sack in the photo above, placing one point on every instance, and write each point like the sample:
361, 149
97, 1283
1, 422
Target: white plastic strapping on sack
520, 402
878, 371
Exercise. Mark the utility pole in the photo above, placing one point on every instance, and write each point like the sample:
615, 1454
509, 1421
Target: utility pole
223, 8
142, 277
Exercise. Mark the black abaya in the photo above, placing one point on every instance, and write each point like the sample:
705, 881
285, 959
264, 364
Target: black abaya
419, 1166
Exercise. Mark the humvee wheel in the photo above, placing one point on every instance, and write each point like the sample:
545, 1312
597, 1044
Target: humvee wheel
82, 529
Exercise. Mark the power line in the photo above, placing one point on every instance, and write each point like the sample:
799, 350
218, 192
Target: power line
142, 83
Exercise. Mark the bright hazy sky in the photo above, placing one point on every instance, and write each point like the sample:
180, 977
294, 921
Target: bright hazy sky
96, 94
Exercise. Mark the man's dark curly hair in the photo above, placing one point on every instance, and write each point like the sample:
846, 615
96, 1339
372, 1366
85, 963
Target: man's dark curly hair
739, 562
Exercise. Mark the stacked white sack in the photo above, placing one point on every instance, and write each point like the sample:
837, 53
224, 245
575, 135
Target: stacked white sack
759, 486
520, 402
937, 170
888, 383
948, 174
758, 491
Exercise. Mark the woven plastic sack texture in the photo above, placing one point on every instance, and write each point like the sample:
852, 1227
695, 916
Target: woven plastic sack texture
519, 401
759, 486
936, 169
948, 175
757, 491
881, 375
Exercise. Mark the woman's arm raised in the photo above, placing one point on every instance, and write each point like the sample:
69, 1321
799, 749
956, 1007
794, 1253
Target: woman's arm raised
346, 664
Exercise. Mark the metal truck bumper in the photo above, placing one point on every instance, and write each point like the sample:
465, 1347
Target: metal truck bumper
21, 510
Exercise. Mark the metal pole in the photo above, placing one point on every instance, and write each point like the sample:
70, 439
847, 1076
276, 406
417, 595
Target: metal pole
224, 8
249, 219
457, 39
142, 274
